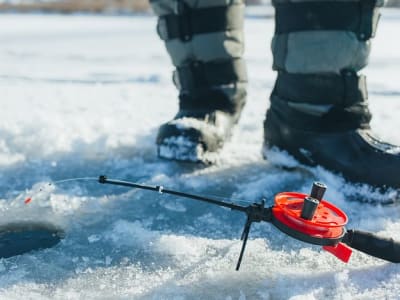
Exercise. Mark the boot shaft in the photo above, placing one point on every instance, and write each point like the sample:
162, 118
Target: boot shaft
205, 41
319, 47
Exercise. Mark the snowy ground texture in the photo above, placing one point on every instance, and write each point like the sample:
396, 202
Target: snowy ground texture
83, 96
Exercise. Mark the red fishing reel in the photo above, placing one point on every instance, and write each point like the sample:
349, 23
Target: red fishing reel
311, 219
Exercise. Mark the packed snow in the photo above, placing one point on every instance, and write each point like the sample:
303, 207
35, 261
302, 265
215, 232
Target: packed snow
84, 95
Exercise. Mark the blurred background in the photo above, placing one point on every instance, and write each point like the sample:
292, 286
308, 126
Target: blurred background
112, 6
81, 5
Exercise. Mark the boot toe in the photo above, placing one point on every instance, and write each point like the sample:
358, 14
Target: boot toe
355, 154
359, 157
189, 139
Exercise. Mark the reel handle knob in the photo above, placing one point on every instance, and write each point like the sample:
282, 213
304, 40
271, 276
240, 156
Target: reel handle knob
309, 207
318, 190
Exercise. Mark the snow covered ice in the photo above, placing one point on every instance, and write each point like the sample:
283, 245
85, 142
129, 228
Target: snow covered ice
84, 95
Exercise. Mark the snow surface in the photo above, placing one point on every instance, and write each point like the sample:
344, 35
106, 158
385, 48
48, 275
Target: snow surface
83, 96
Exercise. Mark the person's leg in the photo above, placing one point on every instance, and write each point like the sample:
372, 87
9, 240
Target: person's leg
205, 41
319, 112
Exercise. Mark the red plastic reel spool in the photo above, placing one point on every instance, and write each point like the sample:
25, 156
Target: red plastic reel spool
326, 228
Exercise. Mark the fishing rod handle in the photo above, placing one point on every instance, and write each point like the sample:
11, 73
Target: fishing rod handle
371, 244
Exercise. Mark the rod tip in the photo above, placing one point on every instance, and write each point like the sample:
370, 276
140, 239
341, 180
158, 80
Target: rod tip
102, 178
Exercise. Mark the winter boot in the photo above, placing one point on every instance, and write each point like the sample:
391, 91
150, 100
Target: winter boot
205, 42
319, 111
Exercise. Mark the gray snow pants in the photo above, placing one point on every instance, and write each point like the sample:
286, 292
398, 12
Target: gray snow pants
311, 37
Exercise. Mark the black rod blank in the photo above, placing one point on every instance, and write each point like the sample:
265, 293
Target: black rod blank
103, 179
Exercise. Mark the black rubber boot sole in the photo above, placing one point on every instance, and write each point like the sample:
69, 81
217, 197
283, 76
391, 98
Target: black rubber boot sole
195, 139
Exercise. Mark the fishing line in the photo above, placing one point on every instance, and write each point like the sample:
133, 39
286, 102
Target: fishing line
41, 189
222, 198
76, 179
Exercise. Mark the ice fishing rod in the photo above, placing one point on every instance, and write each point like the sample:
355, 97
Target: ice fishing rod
308, 218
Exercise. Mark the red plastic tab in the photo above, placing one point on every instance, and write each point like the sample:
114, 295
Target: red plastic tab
341, 251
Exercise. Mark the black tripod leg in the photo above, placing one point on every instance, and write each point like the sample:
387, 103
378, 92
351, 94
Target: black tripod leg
245, 236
